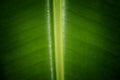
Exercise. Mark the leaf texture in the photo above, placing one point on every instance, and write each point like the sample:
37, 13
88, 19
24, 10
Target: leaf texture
69, 40
26, 40
91, 40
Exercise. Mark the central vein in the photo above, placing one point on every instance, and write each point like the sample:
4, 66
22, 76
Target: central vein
57, 6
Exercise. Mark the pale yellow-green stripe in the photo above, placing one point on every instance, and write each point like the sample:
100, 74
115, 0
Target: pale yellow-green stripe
57, 5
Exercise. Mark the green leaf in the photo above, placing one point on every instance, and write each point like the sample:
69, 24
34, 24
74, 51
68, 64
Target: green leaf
59, 40
91, 40
27, 48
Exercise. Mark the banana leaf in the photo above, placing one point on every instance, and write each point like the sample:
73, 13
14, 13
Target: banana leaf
31, 43
26, 42
92, 39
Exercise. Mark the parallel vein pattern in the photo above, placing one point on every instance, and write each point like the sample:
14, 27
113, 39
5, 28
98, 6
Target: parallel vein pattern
24, 38
92, 40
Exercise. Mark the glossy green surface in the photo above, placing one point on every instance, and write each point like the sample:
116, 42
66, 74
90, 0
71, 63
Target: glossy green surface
26, 41
91, 39
91, 44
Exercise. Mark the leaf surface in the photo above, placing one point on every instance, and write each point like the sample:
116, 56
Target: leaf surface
91, 40
26, 40
59, 40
